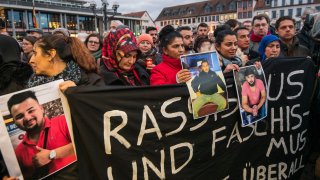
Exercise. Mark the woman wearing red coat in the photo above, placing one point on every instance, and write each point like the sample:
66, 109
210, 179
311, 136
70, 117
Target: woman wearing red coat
170, 71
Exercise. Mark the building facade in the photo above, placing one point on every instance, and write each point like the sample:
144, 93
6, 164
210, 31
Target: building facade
50, 14
145, 22
278, 8
212, 12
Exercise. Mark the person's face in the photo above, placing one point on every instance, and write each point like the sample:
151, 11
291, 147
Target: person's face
250, 79
286, 30
93, 44
40, 61
154, 35
35, 34
27, 46
187, 38
145, 46
205, 67
28, 115
202, 31
243, 39
260, 27
228, 47
205, 47
128, 60
272, 49
248, 25
175, 49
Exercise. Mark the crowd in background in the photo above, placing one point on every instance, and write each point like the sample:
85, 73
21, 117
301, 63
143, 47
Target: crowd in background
153, 58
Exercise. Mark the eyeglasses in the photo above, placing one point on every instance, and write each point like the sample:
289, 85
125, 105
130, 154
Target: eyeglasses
93, 42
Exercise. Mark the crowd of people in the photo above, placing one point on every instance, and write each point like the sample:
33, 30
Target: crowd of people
153, 58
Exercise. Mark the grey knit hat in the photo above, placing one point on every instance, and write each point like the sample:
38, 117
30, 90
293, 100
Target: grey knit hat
63, 31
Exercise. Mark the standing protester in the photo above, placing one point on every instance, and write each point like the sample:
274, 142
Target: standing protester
260, 28
36, 32
290, 46
243, 37
148, 56
120, 67
202, 29
27, 48
303, 35
269, 47
94, 43
14, 73
187, 38
170, 71
62, 31
153, 33
59, 57
233, 24
247, 24
226, 46
202, 44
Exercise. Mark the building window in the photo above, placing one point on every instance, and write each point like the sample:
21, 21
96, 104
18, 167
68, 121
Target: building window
291, 2
180, 22
193, 20
244, 5
244, 15
240, 15
298, 12
217, 18
240, 4
189, 21
202, 19
17, 19
275, 2
71, 22
250, 3
283, 2
290, 12
222, 18
161, 23
309, 1
209, 18
318, 8
213, 18
206, 19
184, 21
267, 2
250, 14
199, 19
54, 21
281, 13
274, 14
219, 8
232, 6
207, 9
300, 1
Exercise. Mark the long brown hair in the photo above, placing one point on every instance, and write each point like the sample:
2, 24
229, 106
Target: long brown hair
69, 48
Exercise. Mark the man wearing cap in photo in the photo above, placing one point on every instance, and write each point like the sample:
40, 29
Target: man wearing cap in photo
36, 32
253, 95
205, 85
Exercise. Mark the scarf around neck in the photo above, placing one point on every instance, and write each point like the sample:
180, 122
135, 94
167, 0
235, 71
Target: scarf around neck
256, 38
72, 72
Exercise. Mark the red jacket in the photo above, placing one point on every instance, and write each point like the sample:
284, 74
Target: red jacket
165, 72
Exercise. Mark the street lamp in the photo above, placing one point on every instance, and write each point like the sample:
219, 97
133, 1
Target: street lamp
105, 5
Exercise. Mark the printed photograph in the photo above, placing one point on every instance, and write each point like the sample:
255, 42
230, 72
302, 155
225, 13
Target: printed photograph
207, 87
251, 89
38, 132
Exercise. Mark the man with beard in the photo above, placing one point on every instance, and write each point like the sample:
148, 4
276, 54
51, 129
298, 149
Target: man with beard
187, 37
46, 146
253, 94
205, 85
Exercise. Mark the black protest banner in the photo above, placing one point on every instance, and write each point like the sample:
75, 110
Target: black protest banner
149, 133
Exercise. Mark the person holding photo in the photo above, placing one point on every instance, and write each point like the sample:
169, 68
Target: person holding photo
46, 146
170, 70
205, 85
253, 95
